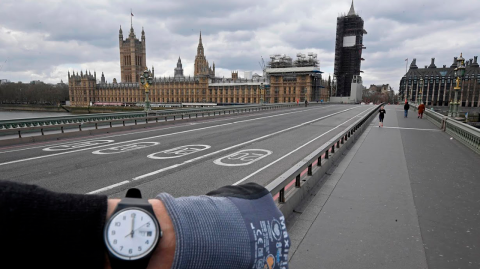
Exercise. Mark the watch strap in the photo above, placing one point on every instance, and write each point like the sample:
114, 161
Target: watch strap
116, 263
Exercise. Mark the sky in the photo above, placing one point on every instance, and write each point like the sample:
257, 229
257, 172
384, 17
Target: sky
44, 39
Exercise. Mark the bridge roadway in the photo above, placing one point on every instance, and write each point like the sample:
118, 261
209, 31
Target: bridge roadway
109, 164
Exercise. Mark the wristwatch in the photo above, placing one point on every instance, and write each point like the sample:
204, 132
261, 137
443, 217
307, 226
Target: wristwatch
132, 232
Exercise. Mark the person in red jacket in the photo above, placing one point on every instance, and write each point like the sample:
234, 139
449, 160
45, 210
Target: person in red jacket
421, 109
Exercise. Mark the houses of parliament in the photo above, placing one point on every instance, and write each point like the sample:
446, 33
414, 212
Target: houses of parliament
287, 83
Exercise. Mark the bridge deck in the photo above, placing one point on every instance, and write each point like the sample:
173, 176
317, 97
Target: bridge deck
405, 196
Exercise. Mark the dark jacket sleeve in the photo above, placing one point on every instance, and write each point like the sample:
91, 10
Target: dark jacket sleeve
44, 229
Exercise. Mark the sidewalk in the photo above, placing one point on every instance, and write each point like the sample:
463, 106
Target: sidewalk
405, 196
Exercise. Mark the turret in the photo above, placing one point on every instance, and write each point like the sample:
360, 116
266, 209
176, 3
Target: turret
143, 34
120, 36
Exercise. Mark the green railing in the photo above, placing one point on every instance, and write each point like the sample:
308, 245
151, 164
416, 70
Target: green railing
464, 133
41, 125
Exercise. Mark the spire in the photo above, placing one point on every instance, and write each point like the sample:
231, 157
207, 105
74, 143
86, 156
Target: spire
120, 32
143, 32
200, 45
352, 10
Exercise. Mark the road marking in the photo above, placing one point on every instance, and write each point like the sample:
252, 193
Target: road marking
243, 157
125, 148
178, 152
77, 145
109, 187
147, 138
417, 129
153, 129
236, 146
291, 152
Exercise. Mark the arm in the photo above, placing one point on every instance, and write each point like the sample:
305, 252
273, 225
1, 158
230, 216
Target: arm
41, 228
47, 229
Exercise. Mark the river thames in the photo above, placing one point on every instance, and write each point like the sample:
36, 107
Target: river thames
9, 115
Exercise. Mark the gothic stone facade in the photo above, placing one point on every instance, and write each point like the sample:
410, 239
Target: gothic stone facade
439, 83
202, 87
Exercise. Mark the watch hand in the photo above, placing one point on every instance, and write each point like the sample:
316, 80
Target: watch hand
141, 226
131, 233
133, 225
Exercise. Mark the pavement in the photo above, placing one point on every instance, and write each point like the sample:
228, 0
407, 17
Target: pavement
404, 196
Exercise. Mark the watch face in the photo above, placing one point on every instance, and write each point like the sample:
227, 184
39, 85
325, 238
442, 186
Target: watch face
131, 233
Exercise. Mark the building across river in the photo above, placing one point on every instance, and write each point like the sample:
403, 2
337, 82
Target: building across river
283, 80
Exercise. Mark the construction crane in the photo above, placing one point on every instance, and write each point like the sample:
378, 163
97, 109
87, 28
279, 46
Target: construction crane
262, 64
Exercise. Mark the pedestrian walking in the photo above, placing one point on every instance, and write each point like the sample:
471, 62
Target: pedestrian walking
381, 115
306, 103
406, 107
421, 109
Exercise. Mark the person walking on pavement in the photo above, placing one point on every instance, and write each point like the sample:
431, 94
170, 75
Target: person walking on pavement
381, 115
406, 107
421, 109
306, 103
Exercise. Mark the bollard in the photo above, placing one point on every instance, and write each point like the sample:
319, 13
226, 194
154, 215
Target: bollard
333, 148
61, 128
319, 160
110, 124
326, 154
146, 121
135, 122
41, 130
19, 135
309, 170
297, 181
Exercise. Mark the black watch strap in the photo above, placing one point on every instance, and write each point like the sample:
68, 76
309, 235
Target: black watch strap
135, 264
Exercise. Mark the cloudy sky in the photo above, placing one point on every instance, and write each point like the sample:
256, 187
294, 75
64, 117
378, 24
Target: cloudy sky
43, 39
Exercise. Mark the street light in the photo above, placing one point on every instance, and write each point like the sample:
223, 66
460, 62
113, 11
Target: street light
459, 74
419, 93
261, 93
146, 81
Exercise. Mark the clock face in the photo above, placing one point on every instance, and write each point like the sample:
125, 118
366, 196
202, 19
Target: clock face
131, 234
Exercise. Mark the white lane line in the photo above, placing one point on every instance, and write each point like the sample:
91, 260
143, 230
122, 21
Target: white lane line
417, 129
109, 187
161, 128
235, 146
291, 152
145, 138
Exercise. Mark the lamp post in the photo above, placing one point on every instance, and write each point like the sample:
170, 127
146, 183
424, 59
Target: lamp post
146, 81
459, 74
419, 93
261, 93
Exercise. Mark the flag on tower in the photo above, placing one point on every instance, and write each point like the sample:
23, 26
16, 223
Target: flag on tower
131, 13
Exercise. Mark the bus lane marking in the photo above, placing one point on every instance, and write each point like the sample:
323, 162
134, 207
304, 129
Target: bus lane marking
236, 146
125, 148
166, 135
178, 152
78, 145
243, 157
